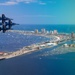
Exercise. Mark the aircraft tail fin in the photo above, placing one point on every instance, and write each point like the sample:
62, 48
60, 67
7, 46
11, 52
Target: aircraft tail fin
10, 22
3, 15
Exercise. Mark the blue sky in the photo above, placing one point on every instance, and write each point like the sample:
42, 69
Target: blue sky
39, 11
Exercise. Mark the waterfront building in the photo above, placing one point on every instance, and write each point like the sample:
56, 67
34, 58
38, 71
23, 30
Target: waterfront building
1, 53
36, 30
72, 35
43, 31
47, 32
51, 44
65, 45
55, 32
42, 45
51, 32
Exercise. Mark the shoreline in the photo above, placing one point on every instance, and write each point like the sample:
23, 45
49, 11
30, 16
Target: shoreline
35, 47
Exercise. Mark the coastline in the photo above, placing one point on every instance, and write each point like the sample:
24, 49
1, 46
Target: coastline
35, 47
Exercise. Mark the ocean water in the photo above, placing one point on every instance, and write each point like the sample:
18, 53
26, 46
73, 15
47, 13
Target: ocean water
61, 28
48, 61
12, 41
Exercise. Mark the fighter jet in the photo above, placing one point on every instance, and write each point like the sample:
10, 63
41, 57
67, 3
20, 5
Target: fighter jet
4, 28
4, 25
4, 18
10, 24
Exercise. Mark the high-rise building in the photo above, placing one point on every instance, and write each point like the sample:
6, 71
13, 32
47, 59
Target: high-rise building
43, 31
51, 32
72, 35
36, 30
55, 32
47, 32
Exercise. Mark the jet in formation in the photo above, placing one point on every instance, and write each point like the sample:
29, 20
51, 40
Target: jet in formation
6, 23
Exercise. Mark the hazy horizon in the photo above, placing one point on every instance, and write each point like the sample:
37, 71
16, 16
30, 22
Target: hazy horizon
39, 11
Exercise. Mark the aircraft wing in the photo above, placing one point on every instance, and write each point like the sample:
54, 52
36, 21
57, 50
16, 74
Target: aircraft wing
4, 23
0, 18
12, 24
15, 24
6, 18
0, 23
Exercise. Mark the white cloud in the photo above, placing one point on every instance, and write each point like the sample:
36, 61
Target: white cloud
13, 2
42, 3
9, 3
25, 1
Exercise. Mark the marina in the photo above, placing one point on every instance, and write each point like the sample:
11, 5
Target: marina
57, 39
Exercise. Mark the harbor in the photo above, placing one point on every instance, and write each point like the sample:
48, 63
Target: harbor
37, 37
57, 40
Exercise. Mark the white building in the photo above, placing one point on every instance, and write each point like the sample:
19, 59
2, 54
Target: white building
65, 45
43, 31
51, 44
51, 32
36, 30
55, 32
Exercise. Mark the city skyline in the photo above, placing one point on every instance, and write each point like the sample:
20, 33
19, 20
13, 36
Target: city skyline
39, 11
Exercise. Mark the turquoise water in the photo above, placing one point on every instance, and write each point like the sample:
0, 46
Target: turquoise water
44, 62
60, 28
